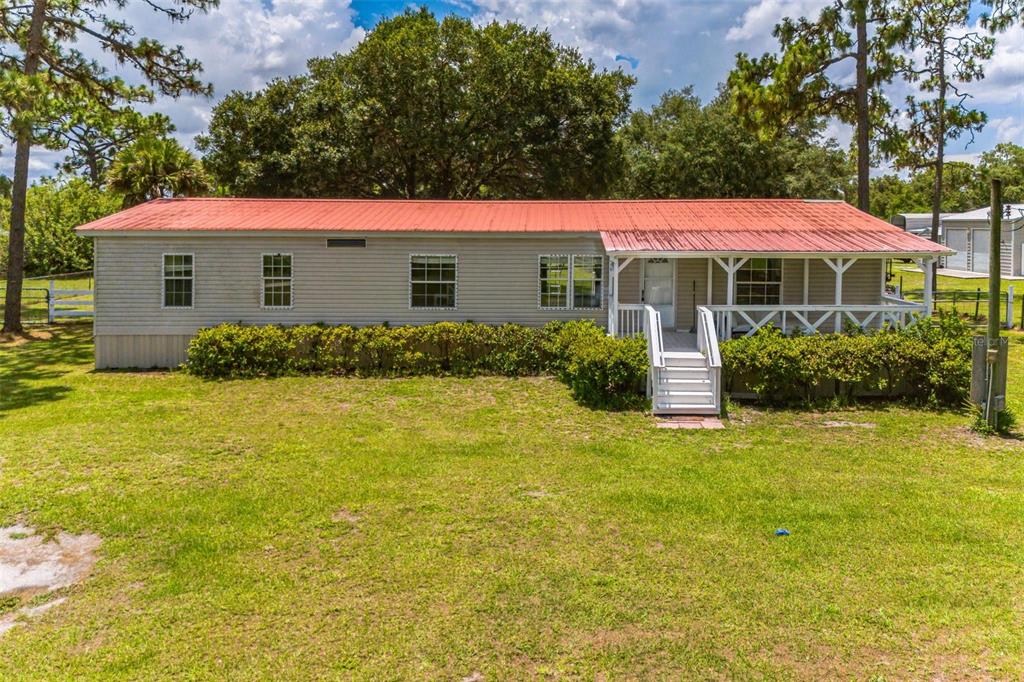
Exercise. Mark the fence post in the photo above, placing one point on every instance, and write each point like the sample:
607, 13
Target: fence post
977, 305
1009, 307
50, 307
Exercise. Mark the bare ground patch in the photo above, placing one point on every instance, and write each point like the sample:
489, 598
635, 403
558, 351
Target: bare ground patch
34, 567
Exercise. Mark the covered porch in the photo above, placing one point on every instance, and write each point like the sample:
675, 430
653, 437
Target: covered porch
745, 292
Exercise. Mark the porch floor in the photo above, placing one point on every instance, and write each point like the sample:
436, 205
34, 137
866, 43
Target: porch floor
678, 341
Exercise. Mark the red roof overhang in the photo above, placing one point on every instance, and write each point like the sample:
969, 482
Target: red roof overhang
630, 226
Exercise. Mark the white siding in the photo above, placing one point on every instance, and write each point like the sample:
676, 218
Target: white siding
497, 281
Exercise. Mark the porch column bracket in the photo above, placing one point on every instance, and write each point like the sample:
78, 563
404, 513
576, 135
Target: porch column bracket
839, 266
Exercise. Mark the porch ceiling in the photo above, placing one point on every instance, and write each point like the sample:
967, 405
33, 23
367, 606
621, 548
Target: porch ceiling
796, 242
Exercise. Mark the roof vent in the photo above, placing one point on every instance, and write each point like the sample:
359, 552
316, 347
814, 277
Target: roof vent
346, 243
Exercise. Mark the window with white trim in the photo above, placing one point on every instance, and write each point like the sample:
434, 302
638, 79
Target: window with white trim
554, 281
178, 279
277, 280
759, 282
570, 282
433, 281
587, 280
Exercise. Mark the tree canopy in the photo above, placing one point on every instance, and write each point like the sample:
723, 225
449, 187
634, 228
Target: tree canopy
155, 167
683, 149
427, 108
53, 210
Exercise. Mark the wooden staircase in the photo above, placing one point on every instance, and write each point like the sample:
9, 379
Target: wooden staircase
684, 385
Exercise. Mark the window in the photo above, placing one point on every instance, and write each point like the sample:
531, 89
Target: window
346, 243
586, 281
759, 282
554, 281
570, 282
277, 280
178, 279
433, 281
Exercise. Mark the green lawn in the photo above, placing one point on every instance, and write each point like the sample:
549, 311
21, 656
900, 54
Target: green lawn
436, 528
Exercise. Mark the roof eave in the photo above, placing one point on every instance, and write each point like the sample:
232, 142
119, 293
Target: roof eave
777, 254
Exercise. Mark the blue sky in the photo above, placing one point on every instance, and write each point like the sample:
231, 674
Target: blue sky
664, 43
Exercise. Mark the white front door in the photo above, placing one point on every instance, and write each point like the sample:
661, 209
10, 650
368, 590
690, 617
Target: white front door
659, 289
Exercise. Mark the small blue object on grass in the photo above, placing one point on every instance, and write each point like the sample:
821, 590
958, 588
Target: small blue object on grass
781, 531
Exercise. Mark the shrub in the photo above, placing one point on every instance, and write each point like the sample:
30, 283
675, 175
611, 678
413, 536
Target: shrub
928, 361
608, 373
241, 351
600, 371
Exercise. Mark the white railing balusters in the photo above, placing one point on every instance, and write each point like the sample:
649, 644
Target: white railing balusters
630, 320
811, 318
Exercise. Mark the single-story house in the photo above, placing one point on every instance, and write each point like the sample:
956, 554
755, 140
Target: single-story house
682, 273
968, 235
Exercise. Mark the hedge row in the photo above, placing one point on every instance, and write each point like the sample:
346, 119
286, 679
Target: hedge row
601, 371
929, 361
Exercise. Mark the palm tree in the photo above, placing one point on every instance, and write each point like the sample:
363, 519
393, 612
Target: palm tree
155, 167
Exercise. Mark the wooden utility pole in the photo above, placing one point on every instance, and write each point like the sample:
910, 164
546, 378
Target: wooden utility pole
996, 348
994, 263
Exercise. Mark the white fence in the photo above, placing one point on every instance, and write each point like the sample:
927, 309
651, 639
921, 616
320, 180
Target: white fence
69, 302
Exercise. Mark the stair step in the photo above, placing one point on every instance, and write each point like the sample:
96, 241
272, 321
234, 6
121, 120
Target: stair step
685, 409
670, 385
681, 398
684, 359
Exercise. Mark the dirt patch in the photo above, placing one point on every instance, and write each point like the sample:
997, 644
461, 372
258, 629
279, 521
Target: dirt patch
844, 424
24, 337
33, 565
346, 516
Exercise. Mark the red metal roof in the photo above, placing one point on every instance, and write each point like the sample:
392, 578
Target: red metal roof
713, 225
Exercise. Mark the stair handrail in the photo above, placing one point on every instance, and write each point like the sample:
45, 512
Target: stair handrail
707, 339
655, 343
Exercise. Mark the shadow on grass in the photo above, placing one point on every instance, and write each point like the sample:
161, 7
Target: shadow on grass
27, 362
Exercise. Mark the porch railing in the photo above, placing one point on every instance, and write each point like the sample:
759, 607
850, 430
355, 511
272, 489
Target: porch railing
707, 344
636, 320
630, 319
811, 319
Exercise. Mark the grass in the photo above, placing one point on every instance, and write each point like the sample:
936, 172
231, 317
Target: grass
436, 528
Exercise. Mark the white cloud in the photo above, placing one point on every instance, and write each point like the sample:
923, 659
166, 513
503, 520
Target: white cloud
245, 43
1008, 129
756, 24
964, 158
1004, 72
677, 42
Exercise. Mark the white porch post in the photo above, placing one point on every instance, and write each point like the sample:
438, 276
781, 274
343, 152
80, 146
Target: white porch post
929, 285
613, 295
710, 279
807, 281
731, 266
839, 266
730, 295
